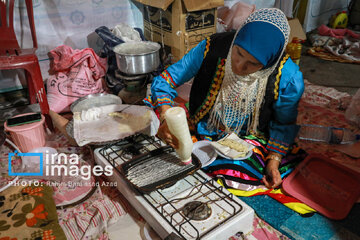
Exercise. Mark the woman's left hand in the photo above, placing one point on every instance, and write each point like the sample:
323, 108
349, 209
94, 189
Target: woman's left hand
272, 179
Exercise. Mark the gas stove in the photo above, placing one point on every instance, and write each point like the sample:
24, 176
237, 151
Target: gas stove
130, 88
196, 207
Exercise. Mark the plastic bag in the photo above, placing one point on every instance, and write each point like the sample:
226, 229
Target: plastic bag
75, 74
352, 113
126, 33
236, 15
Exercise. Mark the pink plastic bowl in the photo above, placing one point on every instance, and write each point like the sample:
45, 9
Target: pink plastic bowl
28, 136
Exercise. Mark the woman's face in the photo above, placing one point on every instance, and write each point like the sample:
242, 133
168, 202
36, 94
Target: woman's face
243, 63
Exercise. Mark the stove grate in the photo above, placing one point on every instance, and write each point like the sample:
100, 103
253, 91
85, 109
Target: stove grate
169, 202
200, 188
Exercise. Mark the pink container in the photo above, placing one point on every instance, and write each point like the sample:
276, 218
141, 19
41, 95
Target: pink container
28, 136
325, 185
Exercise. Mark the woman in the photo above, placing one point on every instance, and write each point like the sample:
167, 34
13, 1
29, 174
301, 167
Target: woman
243, 83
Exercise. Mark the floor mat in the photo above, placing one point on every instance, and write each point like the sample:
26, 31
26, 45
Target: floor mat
300, 227
311, 114
314, 226
325, 55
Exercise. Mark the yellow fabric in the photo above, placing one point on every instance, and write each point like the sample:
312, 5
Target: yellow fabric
301, 208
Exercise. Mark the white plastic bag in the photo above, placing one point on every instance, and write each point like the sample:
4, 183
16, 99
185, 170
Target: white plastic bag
126, 33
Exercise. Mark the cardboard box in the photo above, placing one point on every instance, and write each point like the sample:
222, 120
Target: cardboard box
296, 30
179, 25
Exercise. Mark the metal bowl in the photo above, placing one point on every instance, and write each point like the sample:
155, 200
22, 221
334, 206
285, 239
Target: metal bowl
132, 59
94, 100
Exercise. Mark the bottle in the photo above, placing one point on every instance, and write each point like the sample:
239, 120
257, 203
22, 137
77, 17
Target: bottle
331, 135
294, 50
176, 120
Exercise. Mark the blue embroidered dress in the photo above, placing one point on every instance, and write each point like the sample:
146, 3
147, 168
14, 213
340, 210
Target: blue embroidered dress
282, 128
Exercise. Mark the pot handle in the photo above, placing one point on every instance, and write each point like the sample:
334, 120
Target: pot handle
108, 37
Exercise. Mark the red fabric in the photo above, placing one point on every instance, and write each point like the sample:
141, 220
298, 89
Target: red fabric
338, 33
233, 173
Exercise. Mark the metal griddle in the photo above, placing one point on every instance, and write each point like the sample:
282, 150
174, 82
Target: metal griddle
157, 169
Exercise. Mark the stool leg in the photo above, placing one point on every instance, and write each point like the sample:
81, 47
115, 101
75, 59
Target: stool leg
30, 85
40, 93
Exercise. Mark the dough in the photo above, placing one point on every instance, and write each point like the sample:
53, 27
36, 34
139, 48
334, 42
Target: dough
129, 122
236, 146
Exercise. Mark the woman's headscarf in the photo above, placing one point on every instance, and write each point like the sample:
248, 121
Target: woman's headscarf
264, 35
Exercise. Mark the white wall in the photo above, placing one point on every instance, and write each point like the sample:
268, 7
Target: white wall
319, 12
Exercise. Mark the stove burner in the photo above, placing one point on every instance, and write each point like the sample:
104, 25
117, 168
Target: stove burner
130, 152
197, 210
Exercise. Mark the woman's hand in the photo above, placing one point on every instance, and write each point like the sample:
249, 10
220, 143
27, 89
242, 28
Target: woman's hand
163, 132
165, 135
272, 179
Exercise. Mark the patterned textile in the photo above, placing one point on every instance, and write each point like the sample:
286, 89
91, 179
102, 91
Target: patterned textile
262, 231
29, 213
277, 194
87, 220
311, 114
90, 219
324, 54
326, 97
244, 177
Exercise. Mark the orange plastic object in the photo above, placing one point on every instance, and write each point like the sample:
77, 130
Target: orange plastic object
294, 50
14, 57
325, 185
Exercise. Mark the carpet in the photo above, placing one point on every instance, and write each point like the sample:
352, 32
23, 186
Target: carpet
298, 227
313, 226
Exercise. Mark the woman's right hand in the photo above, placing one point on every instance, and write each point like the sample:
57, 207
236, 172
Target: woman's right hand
165, 135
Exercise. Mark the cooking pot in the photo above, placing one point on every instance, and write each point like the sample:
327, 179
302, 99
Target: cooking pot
137, 57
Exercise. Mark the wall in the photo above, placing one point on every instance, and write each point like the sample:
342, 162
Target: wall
319, 12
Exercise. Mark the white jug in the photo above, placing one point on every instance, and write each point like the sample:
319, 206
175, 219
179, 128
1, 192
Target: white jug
176, 120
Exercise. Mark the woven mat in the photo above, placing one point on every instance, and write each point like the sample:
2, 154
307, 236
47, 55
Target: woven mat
323, 54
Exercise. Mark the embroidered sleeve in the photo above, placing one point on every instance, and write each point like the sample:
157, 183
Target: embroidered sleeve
163, 87
283, 129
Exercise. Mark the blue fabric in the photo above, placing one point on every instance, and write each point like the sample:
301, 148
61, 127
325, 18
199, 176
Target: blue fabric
262, 40
221, 161
291, 86
201, 129
181, 72
297, 227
